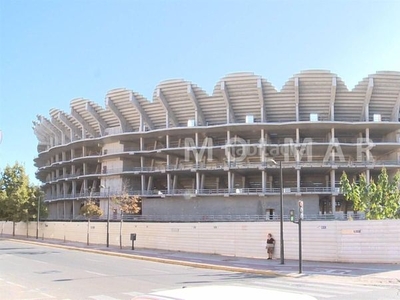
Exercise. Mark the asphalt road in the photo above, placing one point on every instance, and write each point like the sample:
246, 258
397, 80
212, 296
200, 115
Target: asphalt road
29, 271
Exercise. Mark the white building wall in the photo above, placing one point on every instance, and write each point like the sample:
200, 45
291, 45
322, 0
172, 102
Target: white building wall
341, 241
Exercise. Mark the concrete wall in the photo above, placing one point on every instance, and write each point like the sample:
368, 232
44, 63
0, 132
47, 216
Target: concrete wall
232, 205
343, 241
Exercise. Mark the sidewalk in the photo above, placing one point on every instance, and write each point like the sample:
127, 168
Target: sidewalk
372, 274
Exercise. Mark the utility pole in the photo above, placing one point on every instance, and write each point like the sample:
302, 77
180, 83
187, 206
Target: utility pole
38, 218
301, 217
108, 214
281, 215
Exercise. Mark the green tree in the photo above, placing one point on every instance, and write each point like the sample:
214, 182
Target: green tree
378, 199
17, 196
38, 208
90, 209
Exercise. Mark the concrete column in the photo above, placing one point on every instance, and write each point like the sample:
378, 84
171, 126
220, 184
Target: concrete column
228, 138
142, 177
333, 201
174, 182
141, 123
229, 181
197, 181
263, 161
196, 117
65, 189
367, 152
263, 181
168, 175
143, 183
74, 188
150, 184
86, 187
298, 180
58, 190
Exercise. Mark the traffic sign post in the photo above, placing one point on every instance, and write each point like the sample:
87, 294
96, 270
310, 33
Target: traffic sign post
292, 215
301, 217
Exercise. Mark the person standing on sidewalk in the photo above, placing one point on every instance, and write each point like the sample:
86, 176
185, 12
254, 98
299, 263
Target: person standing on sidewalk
270, 245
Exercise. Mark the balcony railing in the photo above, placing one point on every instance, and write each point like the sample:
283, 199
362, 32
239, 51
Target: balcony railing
195, 192
217, 143
217, 218
193, 167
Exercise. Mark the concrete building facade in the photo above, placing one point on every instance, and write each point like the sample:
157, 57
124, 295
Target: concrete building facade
190, 153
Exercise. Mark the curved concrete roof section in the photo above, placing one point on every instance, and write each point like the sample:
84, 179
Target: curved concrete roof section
237, 98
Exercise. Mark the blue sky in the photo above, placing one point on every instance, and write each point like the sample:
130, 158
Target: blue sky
54, 51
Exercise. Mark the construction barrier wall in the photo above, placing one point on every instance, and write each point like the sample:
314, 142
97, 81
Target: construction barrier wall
340, 241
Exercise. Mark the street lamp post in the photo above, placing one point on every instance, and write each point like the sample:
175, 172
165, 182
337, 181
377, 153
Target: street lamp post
37, 218
108, 215
281, 216
282, 254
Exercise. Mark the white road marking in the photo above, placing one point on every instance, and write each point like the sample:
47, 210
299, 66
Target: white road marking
16, 284
103, 297
95, 273
40, 262
310, 292
47, 295
133, 294
314, 289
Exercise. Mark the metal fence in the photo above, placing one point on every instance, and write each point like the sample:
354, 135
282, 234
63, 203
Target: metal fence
214, 218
